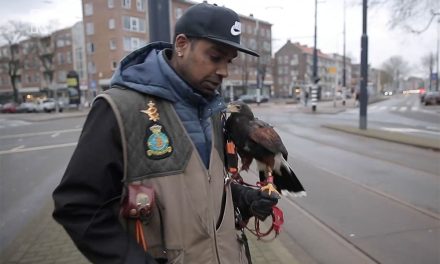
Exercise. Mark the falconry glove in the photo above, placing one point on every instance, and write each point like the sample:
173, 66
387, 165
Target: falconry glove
253, 202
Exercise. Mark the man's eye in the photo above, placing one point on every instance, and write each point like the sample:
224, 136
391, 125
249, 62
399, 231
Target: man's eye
216, 58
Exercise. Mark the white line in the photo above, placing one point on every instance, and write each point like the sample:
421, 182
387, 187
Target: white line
55, 135
40, 133
402, 109
15, 150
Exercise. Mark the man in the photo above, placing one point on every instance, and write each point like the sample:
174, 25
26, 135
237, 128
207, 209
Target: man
146, 183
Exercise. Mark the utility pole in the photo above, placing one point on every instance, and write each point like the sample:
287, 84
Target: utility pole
315, 79
363, 98
344, 69
438, 44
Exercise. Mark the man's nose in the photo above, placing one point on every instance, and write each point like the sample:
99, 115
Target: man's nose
222, 70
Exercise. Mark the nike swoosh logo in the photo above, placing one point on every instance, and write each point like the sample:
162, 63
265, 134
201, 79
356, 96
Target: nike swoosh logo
235, 31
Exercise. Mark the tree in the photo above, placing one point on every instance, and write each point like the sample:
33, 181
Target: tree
397, 68
412, 15
12, 33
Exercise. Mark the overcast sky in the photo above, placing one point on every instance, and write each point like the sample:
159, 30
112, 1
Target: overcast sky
291, 19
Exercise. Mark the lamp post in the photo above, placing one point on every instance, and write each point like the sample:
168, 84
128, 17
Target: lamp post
315, 79
159, 20
363, 98
344, 69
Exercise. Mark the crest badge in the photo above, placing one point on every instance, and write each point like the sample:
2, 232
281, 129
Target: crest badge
157, 143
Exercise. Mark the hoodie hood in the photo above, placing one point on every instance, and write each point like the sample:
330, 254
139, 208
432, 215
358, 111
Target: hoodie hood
147, 71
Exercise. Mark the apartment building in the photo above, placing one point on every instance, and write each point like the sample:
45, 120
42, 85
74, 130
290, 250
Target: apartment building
43, 64
114, 28
293, 70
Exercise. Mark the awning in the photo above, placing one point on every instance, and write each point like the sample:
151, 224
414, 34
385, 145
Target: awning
29, 90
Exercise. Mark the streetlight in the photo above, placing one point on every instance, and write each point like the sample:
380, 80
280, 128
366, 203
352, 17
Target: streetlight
363, 98
315, 79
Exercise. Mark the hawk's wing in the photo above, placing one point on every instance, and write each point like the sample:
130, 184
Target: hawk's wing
263, 134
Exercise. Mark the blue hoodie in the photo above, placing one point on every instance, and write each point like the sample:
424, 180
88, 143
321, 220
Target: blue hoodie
147, 71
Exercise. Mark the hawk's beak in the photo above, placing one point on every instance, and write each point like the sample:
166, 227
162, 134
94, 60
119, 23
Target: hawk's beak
232, 108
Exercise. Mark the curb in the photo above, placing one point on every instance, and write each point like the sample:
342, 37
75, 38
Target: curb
389, 136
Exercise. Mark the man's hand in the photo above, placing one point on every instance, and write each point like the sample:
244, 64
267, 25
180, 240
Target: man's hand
252, 202
260, 203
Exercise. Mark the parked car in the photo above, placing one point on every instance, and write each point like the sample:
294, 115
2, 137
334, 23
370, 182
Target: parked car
431, 98
27, 107
49, 105
249, 98
10, 107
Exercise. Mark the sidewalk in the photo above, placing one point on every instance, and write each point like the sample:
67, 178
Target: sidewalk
44, 241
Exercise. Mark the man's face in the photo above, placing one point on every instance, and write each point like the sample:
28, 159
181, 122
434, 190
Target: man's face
204, 64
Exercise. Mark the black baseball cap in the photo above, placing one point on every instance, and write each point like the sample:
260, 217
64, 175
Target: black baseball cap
216, 23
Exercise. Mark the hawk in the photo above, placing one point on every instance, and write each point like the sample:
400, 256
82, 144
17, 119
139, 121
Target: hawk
256, 139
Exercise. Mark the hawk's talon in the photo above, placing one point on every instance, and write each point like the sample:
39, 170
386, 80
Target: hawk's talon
269, 188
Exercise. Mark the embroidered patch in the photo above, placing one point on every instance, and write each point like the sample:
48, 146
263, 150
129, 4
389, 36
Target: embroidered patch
157, 143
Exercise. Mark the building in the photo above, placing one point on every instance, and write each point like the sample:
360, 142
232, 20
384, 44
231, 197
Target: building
293, 70
122, 26
43, 63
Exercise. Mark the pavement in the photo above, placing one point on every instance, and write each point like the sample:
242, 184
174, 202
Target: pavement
44, 241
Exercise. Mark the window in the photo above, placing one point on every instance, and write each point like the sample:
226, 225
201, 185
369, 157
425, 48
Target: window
112, 44
61, 58
178, 12
110, 3
126, 4
133, 24
62, 76
114, 65
131, 44
90, 29
60, 43
69, 57
88, 9
90, 48
140, 4
111, 23
135, 43
91, 67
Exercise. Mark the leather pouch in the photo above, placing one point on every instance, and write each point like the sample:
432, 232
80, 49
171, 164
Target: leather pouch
138, 202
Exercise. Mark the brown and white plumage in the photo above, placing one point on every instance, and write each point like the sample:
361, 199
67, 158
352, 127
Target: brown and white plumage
256, 139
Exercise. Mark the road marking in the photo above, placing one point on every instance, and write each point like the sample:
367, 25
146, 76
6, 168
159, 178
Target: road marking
55, 135
41, 133
15, 150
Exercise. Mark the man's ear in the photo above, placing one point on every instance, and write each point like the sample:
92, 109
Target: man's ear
181, 43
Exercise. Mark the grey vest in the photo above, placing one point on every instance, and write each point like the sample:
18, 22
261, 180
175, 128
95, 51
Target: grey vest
189, 196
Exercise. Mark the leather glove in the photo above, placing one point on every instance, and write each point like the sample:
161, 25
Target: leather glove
253, 202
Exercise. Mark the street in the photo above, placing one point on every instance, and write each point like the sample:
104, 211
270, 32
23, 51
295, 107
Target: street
368, 200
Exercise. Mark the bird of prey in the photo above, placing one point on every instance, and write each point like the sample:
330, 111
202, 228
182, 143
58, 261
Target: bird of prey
256, 139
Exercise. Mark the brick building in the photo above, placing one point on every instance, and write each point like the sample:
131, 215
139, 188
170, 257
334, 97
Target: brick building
43, 64
293, 71
122, 26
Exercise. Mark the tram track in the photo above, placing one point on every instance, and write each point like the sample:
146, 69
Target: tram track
362, 185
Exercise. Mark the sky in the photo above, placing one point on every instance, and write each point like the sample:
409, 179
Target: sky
291, 19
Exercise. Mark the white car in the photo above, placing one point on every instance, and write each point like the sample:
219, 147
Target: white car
49, 105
